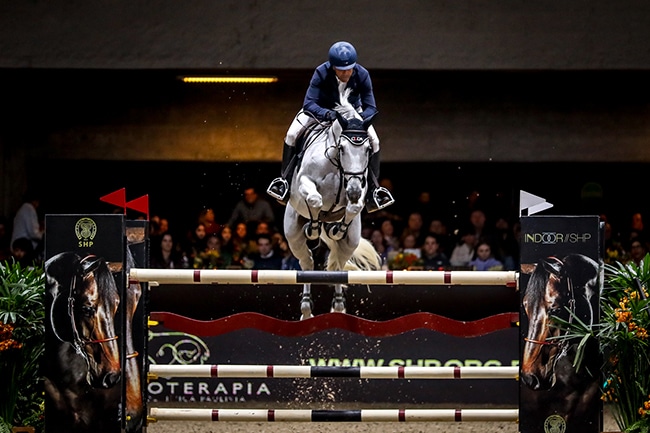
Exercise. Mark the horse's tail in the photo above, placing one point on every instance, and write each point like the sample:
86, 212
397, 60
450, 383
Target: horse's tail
364, 258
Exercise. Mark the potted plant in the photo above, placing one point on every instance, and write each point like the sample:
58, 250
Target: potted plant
622, 333
22, 345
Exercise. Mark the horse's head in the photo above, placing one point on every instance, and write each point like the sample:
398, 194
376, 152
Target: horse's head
554, 289
354, 155
83, 307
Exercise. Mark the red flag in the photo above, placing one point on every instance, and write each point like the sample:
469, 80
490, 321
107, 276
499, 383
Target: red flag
117, 198
140, 204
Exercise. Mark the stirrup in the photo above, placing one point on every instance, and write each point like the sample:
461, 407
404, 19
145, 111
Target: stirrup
278, 189
380, 199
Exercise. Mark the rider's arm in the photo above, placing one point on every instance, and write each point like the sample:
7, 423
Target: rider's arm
314, 96
365, 92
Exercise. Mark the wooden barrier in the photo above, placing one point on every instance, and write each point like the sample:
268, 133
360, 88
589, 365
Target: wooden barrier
311, 415
226, 276
306, 371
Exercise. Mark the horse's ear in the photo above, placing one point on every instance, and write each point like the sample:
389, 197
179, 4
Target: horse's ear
528, 268
553, 265
342, 121
368, 121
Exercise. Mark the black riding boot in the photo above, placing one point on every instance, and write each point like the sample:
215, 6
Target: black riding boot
279, 187
377, 197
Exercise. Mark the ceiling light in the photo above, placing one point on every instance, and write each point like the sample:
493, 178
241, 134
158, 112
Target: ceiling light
230, 79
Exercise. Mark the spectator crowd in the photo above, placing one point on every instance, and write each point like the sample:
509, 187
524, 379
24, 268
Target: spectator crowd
485, 239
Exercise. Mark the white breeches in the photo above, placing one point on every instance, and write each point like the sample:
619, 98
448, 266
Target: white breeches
302, 121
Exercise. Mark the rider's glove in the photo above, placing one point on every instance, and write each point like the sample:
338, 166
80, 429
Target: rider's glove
330, 115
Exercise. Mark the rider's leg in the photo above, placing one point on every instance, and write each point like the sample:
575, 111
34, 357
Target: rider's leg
377, 196
279, 187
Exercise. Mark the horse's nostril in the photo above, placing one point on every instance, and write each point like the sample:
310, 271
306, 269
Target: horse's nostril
531, 381
110, 380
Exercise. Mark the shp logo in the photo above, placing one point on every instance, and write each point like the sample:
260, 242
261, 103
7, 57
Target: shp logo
552, 238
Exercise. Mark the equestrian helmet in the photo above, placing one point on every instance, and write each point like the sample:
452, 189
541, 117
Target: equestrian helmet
342, 55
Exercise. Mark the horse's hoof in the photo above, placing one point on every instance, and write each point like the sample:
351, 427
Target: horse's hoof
315, 201
338, 305
306, 306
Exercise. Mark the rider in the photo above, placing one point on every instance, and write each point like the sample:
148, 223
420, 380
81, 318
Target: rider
330, 78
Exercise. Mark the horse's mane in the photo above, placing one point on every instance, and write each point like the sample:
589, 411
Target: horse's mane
345, 108
537, 283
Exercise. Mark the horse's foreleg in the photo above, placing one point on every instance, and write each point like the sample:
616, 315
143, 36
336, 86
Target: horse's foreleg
313, 198
306, 304
338, 303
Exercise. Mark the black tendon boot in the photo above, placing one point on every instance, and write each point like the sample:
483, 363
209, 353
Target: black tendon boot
279, 187
377, 196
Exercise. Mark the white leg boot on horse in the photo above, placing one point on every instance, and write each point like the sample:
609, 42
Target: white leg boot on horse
377, 197
306, 304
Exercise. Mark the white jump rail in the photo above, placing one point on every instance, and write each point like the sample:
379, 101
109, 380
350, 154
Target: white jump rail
306, 371
311, 415
226, 276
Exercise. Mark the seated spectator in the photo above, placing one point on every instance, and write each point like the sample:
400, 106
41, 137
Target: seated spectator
212, 257
638, 250
251, 209
409, 245
432, 258
388, 231
23, 252
438, 227
506, 247
289, 261
228, 247
463, 252
265, 257
195, 242
414, 227
484, 260
165, 255
381, 246
208, 219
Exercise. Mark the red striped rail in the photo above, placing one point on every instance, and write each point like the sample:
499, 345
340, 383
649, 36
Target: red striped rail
227, 276
306, 371
312, 415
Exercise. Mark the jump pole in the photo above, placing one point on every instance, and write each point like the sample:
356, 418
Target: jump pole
306, 371
227, 276
311, 415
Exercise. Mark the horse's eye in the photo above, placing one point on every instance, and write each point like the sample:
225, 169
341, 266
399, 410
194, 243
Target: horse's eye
88, 311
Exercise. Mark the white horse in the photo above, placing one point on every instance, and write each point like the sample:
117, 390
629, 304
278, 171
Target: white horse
327, 196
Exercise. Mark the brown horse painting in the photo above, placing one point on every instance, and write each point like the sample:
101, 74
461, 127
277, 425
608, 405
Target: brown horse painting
83, 369
567, 288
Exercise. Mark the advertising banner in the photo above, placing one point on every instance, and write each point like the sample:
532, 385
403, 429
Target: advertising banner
85, 277
335, 348
95, 324
561, 276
